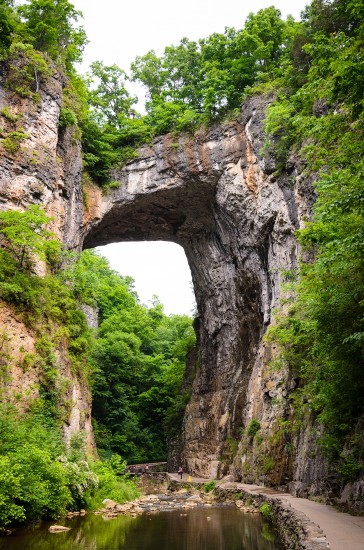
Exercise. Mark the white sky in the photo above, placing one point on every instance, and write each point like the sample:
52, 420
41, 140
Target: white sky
119, 31
158, 267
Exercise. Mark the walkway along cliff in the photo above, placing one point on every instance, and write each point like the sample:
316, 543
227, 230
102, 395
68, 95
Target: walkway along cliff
216, 195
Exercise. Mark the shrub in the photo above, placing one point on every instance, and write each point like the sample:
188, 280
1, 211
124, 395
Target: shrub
27, 67
6, 113
67, 117
10, 484
38, 478
266, 511
112, 484
253, 428
11, 142
209, 486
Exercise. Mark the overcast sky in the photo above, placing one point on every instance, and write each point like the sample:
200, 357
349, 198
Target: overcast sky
119, 31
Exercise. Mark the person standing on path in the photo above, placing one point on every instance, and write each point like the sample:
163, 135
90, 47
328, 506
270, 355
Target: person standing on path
180, 471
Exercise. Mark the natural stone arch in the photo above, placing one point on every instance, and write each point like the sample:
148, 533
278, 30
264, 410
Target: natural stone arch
212, 195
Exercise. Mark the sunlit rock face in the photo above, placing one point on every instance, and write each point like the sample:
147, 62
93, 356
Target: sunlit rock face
215, 194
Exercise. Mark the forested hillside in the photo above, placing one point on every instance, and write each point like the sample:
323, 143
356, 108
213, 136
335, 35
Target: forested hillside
138, 362
314, 71
135, 368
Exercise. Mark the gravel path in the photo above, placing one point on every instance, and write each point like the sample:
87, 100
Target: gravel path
343, 531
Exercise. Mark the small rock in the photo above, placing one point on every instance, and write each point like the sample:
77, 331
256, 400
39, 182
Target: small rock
58, 528
195, 498
227, 479
109, 504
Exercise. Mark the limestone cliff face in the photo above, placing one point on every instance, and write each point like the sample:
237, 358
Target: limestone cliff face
44, 169
21, 377
217, 196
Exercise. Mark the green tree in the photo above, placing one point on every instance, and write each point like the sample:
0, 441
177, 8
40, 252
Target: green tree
49, 27
8, 24
110, 98
263, 37
138, 362
25, 237
148, 70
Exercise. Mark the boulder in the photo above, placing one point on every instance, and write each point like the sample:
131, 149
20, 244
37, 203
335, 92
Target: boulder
109, 504
58, 528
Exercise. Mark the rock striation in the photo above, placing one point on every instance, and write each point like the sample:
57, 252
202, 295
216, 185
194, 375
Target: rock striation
217, 196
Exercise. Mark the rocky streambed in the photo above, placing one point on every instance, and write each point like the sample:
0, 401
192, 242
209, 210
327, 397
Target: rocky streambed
183, 499
231, 503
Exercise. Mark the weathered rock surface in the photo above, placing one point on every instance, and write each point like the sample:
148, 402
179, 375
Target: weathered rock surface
216, 196
45, 170
58, 529
21, 376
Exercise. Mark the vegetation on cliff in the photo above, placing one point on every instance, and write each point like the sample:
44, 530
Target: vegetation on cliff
314, 69
135, 368
39, 475
319, 114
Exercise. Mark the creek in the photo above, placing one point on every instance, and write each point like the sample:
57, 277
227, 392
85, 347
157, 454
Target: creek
213, 528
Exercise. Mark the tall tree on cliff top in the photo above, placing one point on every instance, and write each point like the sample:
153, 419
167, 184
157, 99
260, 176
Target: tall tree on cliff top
7, 23
110, 99
49, 26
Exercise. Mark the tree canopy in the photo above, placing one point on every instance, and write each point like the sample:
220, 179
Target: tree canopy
49, 26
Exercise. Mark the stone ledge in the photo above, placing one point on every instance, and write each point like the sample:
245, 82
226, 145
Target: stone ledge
296, 531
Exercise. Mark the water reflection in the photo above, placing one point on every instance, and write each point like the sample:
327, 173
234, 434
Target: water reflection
199, 529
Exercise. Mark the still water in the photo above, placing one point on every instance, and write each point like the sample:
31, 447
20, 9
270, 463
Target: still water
220, 528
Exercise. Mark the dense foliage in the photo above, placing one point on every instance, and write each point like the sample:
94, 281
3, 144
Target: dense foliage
38, 477
138, 363
135, 367
41, 478
45, 304
320, 115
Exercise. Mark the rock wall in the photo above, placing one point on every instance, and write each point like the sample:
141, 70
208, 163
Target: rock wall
21, 377
44, 169
216, 195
